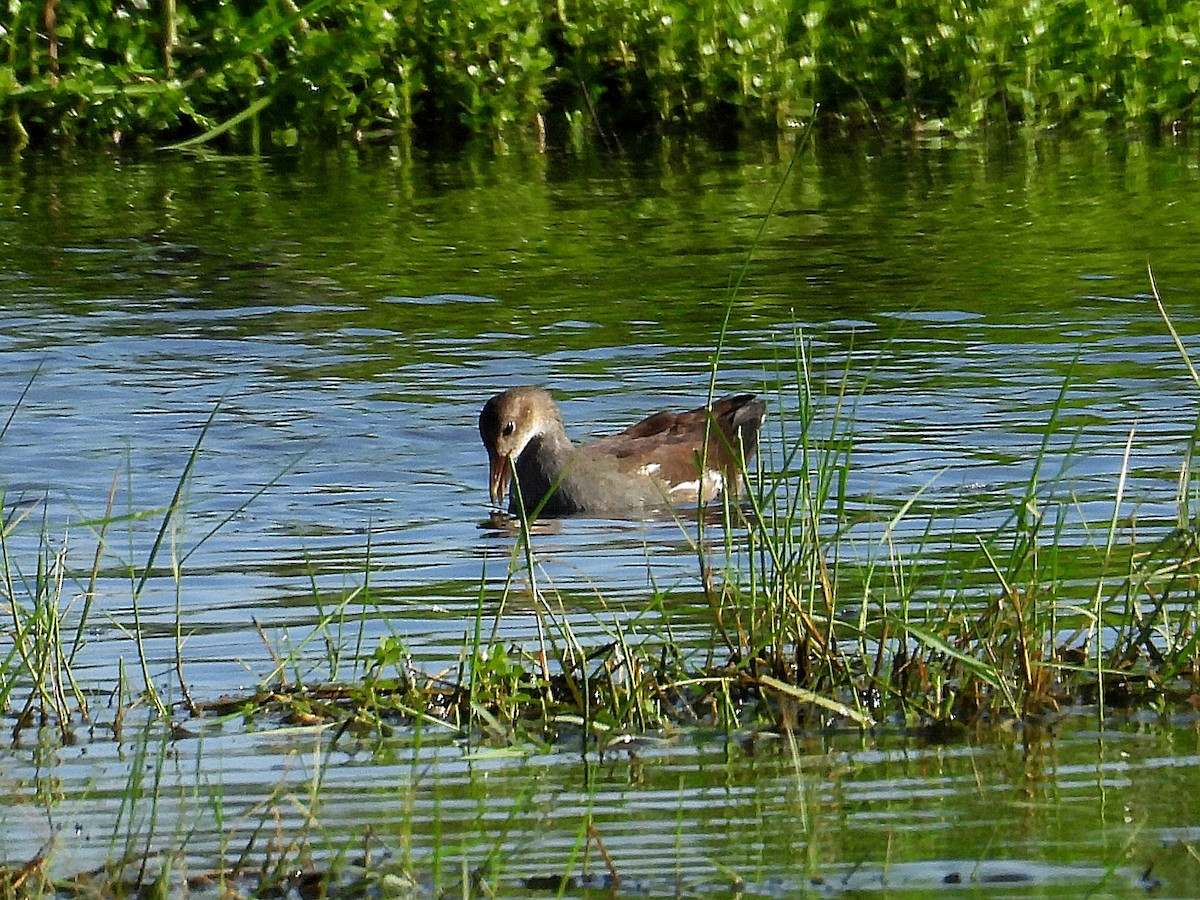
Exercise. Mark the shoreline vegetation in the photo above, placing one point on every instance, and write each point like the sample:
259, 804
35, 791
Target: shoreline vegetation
574, 73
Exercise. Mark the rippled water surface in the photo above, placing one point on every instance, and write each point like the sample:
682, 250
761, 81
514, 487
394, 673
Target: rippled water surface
328, 327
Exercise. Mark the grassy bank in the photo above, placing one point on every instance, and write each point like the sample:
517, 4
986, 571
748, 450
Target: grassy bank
572, 72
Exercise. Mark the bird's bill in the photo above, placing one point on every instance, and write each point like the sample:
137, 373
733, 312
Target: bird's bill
499, 470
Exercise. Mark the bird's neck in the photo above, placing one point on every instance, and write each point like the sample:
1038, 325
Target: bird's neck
550, 450
545, 464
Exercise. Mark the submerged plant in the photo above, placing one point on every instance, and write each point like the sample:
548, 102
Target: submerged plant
38, 660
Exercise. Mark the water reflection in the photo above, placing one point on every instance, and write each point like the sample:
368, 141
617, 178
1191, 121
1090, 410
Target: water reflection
346, 317
1081, 811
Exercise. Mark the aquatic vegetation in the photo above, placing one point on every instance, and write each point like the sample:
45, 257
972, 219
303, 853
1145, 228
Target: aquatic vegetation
571, 72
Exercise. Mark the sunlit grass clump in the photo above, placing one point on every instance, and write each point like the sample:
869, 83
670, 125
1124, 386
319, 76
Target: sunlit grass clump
926, 623
920, 624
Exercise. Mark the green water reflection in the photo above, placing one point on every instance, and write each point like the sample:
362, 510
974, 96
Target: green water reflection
1062, 812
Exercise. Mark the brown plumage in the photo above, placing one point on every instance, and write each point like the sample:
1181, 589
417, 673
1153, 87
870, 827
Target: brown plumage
650, 466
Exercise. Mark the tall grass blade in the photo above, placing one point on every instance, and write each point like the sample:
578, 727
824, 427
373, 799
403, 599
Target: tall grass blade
12, 413
168, 520
989, 674
804, 695
1162, 311
232, 122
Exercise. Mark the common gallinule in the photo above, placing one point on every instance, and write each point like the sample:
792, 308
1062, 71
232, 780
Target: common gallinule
649, 466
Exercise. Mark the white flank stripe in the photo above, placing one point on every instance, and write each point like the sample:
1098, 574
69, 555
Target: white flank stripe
713, 483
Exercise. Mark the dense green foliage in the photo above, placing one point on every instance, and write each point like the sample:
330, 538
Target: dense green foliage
166, 70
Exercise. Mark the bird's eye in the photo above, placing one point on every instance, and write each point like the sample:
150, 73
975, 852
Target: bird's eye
508, 429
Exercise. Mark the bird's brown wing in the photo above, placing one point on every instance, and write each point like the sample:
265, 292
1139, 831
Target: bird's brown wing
669, 443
